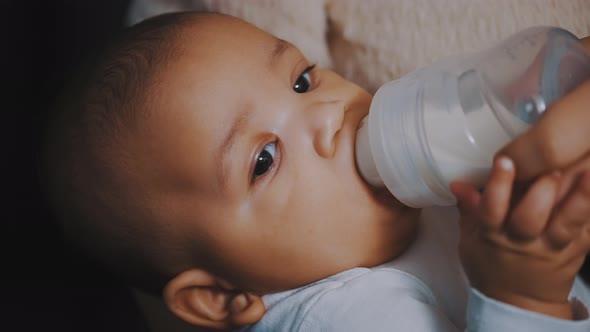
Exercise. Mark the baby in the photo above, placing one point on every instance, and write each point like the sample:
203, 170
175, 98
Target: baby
212, 163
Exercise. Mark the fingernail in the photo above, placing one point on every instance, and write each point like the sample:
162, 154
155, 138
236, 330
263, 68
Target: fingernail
505, 163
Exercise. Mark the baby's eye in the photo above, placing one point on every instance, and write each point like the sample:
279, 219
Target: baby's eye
264, 160
303, 82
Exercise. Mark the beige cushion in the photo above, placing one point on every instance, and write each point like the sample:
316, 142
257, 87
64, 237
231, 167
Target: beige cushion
373, 42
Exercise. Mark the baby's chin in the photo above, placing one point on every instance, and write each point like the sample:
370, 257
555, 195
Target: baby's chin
383, 198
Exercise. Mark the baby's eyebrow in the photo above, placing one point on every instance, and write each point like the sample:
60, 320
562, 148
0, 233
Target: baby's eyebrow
280, 48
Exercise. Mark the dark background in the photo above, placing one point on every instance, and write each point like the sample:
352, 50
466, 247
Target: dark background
45, 285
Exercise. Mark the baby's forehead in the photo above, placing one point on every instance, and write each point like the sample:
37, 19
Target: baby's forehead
224, 29
228, 34
218, 51
224, 64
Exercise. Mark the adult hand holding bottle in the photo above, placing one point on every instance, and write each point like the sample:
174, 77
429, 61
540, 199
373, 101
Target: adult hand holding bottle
559, 140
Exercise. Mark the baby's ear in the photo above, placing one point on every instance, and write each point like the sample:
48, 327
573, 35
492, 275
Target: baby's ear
202, 299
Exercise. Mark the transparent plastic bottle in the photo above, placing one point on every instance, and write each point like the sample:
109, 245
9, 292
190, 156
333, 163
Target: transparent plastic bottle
446, 121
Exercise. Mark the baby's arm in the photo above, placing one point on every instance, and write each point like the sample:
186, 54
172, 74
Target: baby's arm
525, 251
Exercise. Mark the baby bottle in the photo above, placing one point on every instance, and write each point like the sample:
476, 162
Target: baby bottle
446, 121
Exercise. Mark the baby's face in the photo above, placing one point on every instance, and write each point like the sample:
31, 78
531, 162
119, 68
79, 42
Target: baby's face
253, 152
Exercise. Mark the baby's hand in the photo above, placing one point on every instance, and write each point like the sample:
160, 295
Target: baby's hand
524, 249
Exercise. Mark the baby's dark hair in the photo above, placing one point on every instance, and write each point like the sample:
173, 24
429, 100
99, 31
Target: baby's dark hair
83, 153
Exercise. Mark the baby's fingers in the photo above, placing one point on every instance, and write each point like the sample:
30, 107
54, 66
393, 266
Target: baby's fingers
495, 200
572, 215
529, 218
467, 197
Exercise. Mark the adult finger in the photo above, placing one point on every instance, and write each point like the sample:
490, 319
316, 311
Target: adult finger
572, 215
531, 215
561, 137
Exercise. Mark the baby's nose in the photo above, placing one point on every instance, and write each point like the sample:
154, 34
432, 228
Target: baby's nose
326, 120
